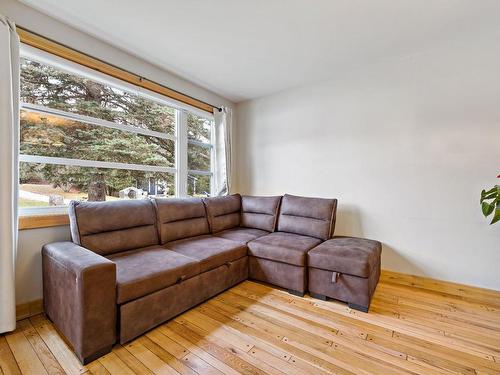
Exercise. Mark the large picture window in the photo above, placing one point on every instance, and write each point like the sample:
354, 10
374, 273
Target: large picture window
86, 136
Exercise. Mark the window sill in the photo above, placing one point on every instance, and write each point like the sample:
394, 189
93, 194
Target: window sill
43, 221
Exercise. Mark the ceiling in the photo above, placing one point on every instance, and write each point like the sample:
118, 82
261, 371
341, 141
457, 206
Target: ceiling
247, 49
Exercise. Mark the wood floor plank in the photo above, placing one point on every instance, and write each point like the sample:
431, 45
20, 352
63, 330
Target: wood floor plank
426, 333
166, 357
305, 308
42, 351
476, 335
132, 362
215, 330
305, 325
199, 365
25, 355
448, 302
243, 331
171, 346
231, 342
226, 356
96, 368
57, 346
457, 316
309, 339
279, 364
420, 331
114, 365
193, 348
276, 340
265, 366
303, 367
8, 363
415, 326
154, 363
472, 293
445, 352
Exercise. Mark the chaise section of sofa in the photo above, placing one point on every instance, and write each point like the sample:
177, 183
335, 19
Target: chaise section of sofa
280, 258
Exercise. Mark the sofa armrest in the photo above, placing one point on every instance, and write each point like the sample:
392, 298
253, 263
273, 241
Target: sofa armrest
79, 292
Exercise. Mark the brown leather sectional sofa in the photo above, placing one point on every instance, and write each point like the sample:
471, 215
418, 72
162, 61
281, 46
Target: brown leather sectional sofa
134, 264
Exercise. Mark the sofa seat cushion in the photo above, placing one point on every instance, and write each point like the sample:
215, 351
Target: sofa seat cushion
210, 251
147, 270
283, 247
347, 255
241, 235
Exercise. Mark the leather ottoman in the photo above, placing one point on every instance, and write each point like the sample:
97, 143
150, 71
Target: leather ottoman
346, 269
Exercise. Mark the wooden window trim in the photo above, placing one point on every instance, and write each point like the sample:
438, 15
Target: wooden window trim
57, 49
43, 221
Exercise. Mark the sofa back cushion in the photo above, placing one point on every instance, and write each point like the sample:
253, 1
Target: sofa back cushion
180, 218
223, 212
259, 212
111, 227
313, 217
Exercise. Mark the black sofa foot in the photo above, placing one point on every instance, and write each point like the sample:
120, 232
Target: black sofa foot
318, 296
96, 355
358, 307
296, 293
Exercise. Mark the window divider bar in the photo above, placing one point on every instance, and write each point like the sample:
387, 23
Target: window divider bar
181, 157
94, 164
94, 121
199, 143
203, 173
212, 159
47, 210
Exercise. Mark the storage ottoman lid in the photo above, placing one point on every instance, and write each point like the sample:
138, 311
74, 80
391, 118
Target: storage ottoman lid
349, 255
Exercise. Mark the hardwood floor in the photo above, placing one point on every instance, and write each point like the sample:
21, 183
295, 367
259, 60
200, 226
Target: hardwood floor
415, 326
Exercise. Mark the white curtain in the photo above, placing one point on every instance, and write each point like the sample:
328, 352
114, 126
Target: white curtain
222, 176
9, 140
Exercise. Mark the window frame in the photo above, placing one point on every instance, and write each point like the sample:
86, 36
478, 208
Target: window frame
179, 137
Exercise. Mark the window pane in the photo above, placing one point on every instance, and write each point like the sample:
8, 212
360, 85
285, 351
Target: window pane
198, 157
47, 135
199, 128
56, 185
198, 185
46, 85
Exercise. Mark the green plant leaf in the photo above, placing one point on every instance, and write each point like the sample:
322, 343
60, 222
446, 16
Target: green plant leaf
493, 193
492, 190
496, 217
487, 208
483, 193
489, 196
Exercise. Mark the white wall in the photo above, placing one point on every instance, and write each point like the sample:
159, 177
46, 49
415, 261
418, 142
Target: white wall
29, 260
28, 269
405, 144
